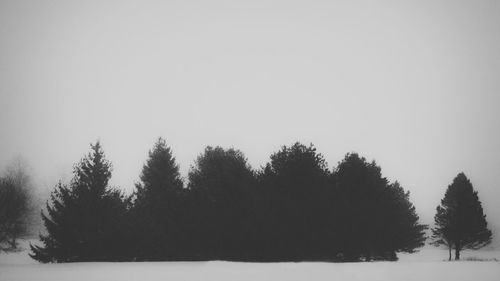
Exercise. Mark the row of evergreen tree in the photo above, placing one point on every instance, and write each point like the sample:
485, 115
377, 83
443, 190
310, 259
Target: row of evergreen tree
293, 209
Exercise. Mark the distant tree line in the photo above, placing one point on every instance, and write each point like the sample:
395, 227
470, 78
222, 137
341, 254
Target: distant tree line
293, 209
16, 205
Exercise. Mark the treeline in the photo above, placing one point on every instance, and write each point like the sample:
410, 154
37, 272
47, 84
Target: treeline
17, 205
293, 209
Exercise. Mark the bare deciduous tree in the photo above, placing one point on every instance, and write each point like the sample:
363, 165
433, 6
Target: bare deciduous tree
16, 204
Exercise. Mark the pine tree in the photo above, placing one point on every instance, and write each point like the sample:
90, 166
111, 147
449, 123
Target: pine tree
85, 219
403, 231
298, 205
459, 221
220, 191
377, 218
157, 205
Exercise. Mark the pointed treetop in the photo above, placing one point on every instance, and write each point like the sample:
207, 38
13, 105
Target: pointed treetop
161, 169
93, 172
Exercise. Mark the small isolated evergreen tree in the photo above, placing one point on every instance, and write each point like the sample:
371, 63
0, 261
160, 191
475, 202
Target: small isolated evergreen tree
459, 221
85, 220
156, 211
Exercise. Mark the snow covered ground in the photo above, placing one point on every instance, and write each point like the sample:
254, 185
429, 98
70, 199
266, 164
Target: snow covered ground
425, 265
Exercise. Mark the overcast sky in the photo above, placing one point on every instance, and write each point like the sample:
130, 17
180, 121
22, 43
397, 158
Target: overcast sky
414, 85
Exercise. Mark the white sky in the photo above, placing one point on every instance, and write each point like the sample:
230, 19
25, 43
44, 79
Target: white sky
414, 85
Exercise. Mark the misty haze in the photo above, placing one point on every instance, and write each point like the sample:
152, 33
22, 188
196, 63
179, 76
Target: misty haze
261, 140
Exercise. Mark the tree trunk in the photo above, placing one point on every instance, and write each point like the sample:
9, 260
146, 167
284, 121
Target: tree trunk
13, 243
457, 253
449, 252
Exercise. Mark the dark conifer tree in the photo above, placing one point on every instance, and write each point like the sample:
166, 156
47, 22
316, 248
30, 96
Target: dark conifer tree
85, 219
156, 212
403, 231
296, 205
459, 221
377, 218
221, 185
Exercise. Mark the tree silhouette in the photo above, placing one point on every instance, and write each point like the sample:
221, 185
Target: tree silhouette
13, 212
403, 232
293, 209
16, 205
85, 220
459, 221
156, 211
295, 205
377, 218
220, 191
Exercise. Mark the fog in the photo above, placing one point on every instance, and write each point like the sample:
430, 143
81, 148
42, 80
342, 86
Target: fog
412, 84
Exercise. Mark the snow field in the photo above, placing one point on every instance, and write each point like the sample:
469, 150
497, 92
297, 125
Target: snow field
426, 265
